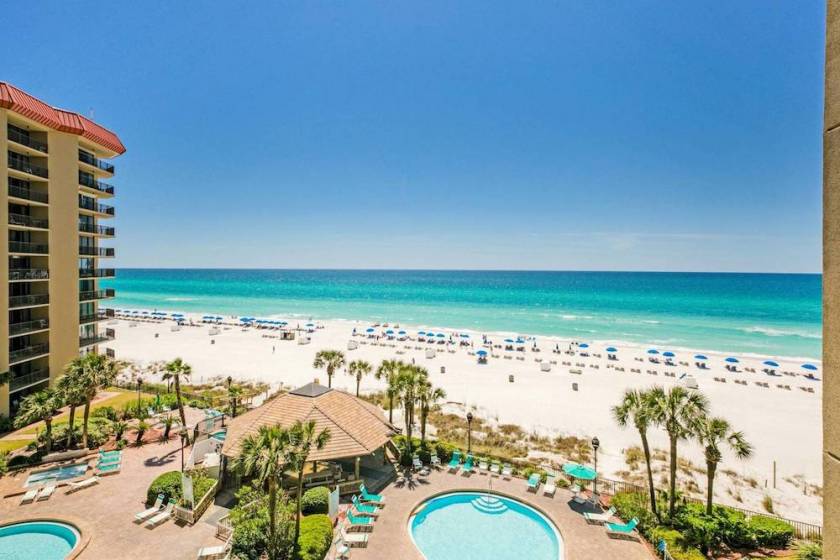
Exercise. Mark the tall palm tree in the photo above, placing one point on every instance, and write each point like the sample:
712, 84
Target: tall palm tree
389, 370
264, 455
712, 433
39, 407
429, 397
330, 360
409, 382
637, 408
303, 438
679, 411
175, 371
235, 393
359, 368
100, 371
71, 388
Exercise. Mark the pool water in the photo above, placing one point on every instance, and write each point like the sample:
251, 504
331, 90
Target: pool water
220, 435
56, 475
37, 540
466, 525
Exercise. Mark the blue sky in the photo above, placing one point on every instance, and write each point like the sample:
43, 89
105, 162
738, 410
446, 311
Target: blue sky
604, 135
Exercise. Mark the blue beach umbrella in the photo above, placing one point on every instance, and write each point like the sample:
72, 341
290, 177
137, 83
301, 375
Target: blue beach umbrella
700, 357
440, 335
370, 329
611, 349
584, 345
464, 335
731, 360
401, 332
509, 340
771, 363
809, 367
668, 354
481, 352
579, 471
653, 351
389, 331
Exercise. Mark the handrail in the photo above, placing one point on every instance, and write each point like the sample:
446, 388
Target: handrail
29, 274
20, 165
28, 221
29, 299
29, 248
28, 379
91, 159
25, 140
28, 352
24, 327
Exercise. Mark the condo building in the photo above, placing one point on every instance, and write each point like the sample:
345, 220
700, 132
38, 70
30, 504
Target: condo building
57, 219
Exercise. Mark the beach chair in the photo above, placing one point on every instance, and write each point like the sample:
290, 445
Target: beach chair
108, 460
435, 460
214, 552
550, 488
359, 523
469, 463
353, 539
156, 520
46, 491
147, 513
416, 463
367, 497
495, 469
619, 530
578, 496
365, 509
483, 467
507, 471
30, 496
533, 482
599, 518
82, 484
455, 462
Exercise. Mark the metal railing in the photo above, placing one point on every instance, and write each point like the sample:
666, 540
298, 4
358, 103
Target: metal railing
98, 339
28, 352
25, 139
21, 381
17, 329
29, 248
97, 294
96, 272
28, 221
27, 300
26, 167
92, 183
93, 228
28, 194
98, 316
29, 274
96, 251
86, 203
90, 159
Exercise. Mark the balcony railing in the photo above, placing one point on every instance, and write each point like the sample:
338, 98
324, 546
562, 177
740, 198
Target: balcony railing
29, 274
90, 159
98, 339
28, 352
96, 272
96, 251
28, 221
17, 329
89, 204
28, 300
28, 248
97, 294
100, 315
26, 140
94, 184
28, 379
93, 228
21, 165
28, 194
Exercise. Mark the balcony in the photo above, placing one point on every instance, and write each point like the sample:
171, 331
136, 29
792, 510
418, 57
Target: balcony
96, 230
96, 251
91, 183
28, 221
96, 273
97, 294
28, 300
26, 167
94, 161
98, 339
100, 315
28, 194
86, 203
28, 352
29, 274
26, 327
24, 139
28, 379
28, 248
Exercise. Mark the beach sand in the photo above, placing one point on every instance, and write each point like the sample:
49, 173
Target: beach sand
784, 426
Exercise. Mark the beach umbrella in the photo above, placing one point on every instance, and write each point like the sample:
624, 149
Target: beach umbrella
509, 340
464, 335
389, 331
771, 363
401, 332
481, 352
810, 367
579, 471
731, 360
653, 351
370, 329
421, 333
611, 349
700, 357
668, 354
584, 345
440, 335
310, 324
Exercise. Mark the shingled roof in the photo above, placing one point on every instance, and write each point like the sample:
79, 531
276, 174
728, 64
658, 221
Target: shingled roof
356, 426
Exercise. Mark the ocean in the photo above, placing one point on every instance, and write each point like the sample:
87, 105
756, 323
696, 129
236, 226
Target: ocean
767, 314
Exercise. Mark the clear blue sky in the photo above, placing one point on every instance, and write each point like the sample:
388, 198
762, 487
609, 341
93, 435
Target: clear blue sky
668, 135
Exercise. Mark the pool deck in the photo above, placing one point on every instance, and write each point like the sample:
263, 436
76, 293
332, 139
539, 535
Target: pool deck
390, 539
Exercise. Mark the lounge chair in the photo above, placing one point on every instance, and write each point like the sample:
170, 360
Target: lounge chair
534, 482
365, 509
46, 491
621, 530
30, 495
455, 462
416, 463
469, 463
507, 471
495, 468
367, 497
550, 488
162, 516
599, 517
147, 513
353, 539
108, 468
361, 523
115, 452
82, 484
435, 460
483, 467
108, 460
214, 552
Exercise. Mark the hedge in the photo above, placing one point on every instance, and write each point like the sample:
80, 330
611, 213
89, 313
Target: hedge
770, 532
168, 484
315, 500
674, 540
316, 534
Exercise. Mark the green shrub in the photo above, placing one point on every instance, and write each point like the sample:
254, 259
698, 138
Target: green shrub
809, 551
108, 412
770, 532
315, 500
168, 484
676, 544
635, 504
315, 537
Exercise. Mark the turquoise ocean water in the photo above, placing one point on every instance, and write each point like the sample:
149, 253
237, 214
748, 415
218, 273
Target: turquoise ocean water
774, 314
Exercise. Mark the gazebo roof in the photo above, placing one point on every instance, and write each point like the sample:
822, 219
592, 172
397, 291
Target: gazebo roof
356, 426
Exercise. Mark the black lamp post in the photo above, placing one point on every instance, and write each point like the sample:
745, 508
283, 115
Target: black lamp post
469, 432
595, 445
139, 386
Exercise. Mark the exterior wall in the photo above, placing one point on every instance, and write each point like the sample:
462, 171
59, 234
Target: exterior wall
4, 265
831, 285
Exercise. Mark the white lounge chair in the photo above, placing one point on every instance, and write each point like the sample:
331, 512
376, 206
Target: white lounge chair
354, 539
30, 495
435, 460
599, 517
507, 471
86, 483
46, 491
482, 467
147, 513
213, 552
550, 488
578, 495
416, 463
495, 468
162, 516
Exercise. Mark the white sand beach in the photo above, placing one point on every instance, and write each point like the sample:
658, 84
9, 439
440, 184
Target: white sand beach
788, 432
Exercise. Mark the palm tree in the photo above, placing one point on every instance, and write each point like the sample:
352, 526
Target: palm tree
410, 380
711, 433
679, 411
303, 438
71, 388
429, 397
359, 368
39, 407
264, 455
331, 360
389, 370
235, 392
175, 371
167, 422
99, 371
637, 408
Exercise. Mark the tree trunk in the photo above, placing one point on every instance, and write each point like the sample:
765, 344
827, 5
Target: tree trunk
85, 425
390, 407
329, 377
272, 518
423, 415
71, 422
672, 498
181, 407
711, 467
646, 448
297, 517
358, 382
408, 430
48, 433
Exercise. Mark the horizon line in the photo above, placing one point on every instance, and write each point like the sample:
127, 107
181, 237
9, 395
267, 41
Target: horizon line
343, 269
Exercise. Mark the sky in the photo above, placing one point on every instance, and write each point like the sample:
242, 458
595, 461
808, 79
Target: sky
563, 135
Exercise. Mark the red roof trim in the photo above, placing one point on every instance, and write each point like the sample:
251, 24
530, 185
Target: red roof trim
33, 108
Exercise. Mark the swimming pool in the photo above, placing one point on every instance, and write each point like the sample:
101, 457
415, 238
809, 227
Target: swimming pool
220, 435
38, 540
461, 525
56, 474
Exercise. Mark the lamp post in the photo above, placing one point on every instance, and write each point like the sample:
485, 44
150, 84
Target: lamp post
595, 445
139, 386
183, 435
469, 432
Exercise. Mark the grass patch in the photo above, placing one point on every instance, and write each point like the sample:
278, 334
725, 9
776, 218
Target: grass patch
10, 445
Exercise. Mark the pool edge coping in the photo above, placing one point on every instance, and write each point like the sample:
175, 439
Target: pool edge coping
82, 527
